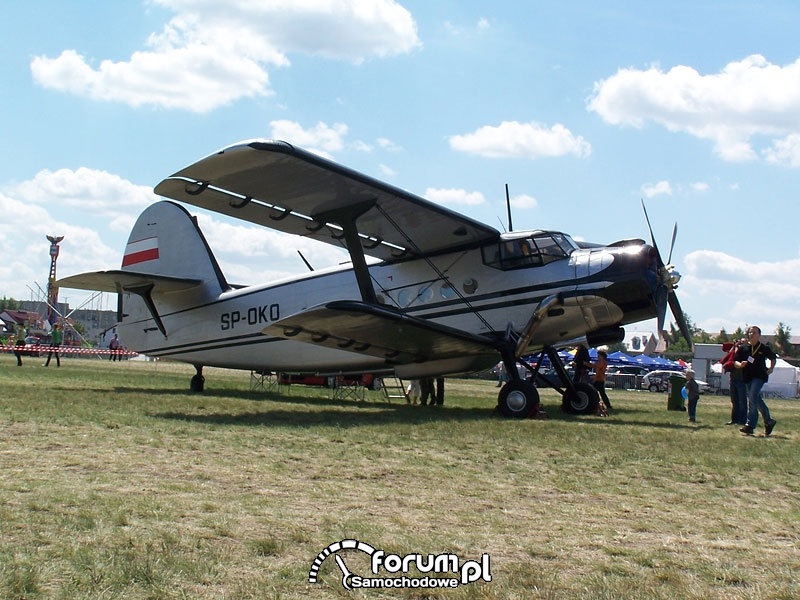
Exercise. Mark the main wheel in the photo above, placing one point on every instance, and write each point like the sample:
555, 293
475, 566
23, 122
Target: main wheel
518, 399
583, 402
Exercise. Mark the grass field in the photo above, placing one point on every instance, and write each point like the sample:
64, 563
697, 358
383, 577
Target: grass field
116, 482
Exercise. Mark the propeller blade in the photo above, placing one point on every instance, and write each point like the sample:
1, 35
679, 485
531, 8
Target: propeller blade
680, 319
652, 237
662, 299
672, 244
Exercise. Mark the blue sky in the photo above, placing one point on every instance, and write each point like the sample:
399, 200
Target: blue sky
582, 108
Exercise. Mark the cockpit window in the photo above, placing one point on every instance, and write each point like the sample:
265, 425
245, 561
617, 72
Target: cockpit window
538, 249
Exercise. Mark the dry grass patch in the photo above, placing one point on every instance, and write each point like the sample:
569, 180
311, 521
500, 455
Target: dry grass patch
117, 482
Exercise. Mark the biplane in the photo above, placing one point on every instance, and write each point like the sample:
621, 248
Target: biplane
426, 292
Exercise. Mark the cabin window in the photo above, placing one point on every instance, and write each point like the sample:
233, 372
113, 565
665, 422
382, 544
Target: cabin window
448, 291
536, 250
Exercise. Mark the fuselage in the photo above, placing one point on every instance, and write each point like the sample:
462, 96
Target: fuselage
483, 291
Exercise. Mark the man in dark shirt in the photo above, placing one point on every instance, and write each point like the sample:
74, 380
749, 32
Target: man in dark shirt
752, 359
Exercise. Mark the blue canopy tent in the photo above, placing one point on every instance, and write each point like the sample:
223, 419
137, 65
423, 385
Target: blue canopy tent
620, 358
645, 361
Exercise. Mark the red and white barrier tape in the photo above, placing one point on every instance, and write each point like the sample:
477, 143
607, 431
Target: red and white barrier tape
28, 348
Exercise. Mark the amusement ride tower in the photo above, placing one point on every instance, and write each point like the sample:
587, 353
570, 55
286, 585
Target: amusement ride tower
52, 290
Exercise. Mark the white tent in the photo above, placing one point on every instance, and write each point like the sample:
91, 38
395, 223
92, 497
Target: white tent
784, 380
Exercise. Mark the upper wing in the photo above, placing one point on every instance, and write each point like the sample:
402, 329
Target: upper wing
381, 332
289, 189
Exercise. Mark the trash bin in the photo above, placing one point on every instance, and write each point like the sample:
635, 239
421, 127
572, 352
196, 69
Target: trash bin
674, 395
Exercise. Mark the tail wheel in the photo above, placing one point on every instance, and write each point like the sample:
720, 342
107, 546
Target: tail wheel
518, 399
583, 401
197, 384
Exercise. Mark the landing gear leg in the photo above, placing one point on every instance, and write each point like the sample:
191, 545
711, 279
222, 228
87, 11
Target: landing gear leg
198, 381
576, 398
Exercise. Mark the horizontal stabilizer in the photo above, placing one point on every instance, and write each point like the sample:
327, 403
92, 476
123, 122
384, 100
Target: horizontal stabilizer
380, 332
125, 281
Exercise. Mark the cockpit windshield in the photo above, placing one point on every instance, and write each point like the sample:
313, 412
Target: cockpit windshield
534, 250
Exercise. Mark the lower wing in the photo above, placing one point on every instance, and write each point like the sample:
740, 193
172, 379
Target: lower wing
380, 332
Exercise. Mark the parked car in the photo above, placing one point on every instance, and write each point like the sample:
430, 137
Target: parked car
658, 381
32, 340
551, 376
624, 377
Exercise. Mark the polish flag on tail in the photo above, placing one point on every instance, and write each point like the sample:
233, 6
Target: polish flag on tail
140, 251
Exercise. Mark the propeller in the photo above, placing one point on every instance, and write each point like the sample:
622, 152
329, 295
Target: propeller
666, 284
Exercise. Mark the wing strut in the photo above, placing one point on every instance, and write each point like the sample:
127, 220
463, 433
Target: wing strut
346, 218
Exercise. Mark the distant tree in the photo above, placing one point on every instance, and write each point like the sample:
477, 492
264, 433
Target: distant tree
739, 333
783, 345
618, 347
675, 339
723, 336
9, 304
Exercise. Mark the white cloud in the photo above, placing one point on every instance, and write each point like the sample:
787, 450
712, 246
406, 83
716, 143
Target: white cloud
757, 293
785, 151
97, 192
321, 138
524, 201
24, 245
387, 171
650, 190
253, 255
389, 145
746, 100
454, 196
700, 186
512, 139
211, 53
93, 211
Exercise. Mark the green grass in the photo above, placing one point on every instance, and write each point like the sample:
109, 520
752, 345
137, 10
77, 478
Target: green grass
116, 482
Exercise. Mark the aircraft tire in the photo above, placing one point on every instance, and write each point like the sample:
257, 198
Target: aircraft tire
583, 402
197, 384
518, 399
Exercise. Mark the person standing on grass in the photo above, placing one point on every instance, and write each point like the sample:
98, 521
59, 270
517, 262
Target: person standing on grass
692, 394
439, 396
582, 364
738, 388
56, 337
19, 343
113, 345
752, 359
599, 382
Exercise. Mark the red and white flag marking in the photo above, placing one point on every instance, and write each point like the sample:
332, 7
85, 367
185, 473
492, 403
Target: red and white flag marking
140, 251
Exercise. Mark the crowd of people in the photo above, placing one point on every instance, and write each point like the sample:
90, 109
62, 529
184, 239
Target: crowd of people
421, 391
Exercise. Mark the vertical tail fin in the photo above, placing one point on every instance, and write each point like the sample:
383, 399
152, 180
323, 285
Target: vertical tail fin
166, 241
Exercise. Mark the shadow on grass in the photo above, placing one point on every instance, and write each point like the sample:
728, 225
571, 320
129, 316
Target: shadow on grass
355, 414
351, 416
315, 410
